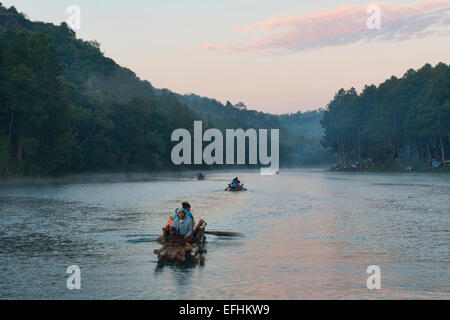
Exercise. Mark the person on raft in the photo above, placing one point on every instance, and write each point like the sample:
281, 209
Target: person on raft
235, 183
183, 226
186, 208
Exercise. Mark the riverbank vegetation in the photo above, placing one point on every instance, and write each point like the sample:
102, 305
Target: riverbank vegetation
404, 123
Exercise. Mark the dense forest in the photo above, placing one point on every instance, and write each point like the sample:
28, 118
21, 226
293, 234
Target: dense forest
402, 123
66, 108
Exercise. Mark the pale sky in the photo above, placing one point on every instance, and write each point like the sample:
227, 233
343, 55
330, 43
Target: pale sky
275, 56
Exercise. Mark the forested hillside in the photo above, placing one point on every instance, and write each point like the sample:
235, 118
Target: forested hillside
65, 107
403, 122
300, 133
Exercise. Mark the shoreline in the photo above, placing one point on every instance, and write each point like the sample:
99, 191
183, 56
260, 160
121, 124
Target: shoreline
117, 177
441, 170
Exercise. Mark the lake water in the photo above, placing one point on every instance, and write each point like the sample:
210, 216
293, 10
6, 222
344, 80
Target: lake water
309, 234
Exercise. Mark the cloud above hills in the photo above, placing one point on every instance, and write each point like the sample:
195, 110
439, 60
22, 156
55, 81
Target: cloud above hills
340, 26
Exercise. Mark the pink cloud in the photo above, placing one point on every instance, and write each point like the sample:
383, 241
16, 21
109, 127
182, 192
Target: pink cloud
344, 25
208, 46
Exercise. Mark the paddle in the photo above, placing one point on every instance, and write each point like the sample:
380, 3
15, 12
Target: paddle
225, 234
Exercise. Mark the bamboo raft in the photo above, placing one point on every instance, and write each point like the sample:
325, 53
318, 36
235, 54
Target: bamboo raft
201, 177
181, 250
240, 188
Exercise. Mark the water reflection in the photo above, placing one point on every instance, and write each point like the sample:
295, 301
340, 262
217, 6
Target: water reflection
178, 266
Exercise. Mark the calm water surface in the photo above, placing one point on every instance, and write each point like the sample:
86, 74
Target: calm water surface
309, 234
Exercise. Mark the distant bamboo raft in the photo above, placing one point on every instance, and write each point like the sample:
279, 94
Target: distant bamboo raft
239, 188
177, 249
201, 176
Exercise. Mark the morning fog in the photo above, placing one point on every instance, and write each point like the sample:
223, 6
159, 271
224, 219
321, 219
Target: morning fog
213, 153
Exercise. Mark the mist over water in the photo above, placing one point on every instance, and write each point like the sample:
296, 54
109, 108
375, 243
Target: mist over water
309, 234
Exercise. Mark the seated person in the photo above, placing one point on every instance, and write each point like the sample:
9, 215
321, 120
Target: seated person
186, 207
183, 226
235, 183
